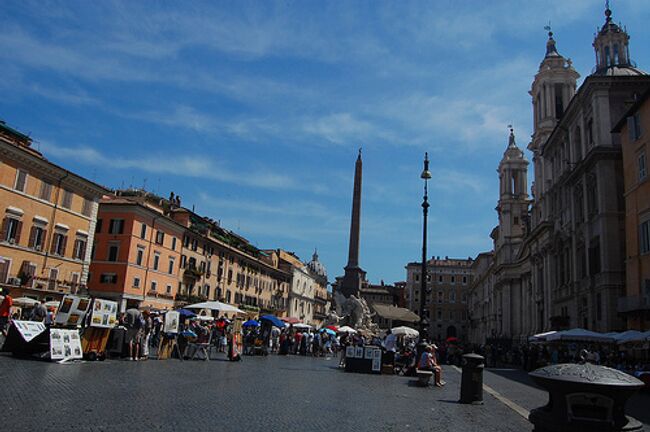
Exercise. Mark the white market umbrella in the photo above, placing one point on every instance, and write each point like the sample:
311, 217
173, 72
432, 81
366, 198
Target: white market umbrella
405, 331
540, 337
52, 303
580, 335
302, 326
346, 329
25, 301
216, 306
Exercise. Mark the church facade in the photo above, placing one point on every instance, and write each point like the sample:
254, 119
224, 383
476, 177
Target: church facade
558, 260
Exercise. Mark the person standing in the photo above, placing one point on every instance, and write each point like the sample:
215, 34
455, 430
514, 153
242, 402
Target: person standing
134, 323
5, 311
147, 330
39, 313
390, 345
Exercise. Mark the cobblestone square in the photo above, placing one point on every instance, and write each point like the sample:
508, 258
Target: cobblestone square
259, 394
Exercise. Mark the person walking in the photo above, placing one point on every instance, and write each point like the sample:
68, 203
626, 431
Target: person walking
5, 312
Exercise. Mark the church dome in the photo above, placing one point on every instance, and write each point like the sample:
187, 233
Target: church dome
316, 267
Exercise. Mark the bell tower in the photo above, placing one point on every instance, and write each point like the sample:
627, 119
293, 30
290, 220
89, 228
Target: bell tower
513, 199
552, 90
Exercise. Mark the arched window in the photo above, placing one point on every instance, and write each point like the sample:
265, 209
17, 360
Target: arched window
608, 60
616, 58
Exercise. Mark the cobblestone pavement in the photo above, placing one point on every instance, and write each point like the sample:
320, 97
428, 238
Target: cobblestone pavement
517, 386
270, 394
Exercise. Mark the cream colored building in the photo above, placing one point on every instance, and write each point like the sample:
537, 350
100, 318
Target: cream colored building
48, 222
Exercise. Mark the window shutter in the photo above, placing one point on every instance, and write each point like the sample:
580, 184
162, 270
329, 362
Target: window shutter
5, 226
82, 250
630, 128
53, 245
44, 240
32, 237
64, 242
19, 228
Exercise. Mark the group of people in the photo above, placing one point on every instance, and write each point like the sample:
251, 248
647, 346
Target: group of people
38, 312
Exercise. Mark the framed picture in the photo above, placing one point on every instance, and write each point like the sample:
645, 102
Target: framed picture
350, 352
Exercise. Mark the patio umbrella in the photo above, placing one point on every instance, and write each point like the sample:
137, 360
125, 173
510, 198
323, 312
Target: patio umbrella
541, 337
452, 339
290, 320
302, 326
273, 320
328, 331
333, 327
52, 304
346, 329
405, 331
215, 305
25, 301
185, 313
580, 335
251, 323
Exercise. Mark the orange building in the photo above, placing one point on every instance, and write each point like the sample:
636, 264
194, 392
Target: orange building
136, 258
634, 130
48, 221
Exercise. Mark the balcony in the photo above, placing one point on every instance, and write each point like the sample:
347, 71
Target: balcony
633, 303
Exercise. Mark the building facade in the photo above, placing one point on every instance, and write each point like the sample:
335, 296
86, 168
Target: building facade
303, 287
446, 300
136, 255
321, 301
562, 266
635, 143
48, 222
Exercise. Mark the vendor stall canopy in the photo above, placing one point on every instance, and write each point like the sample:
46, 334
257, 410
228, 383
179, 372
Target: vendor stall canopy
395, 313
273, 320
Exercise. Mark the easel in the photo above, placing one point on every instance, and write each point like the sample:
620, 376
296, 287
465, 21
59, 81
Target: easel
94, 341
167, 346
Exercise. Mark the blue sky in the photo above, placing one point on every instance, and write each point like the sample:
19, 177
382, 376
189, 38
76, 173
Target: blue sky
253, 111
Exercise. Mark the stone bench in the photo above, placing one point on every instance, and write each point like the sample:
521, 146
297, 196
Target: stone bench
424, 376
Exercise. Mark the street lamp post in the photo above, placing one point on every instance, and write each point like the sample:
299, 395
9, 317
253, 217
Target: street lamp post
426, 175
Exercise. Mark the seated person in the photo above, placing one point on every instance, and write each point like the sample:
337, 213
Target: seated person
429, 362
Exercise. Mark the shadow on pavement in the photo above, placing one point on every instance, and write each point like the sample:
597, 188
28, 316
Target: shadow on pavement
518, 375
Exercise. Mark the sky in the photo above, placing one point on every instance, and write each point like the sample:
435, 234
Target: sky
254, 112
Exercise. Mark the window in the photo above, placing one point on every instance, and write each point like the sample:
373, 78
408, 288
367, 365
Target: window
87, 207
79, 249
439, 314
440, 297
21, 180
98, 226
186, 241
643, 172
139, 257
53, 281
174, 243
169, 289
113, 252
453, 279
143, 231
452, 296
156, 260
416, 277
11, 229
229, 277
594, 256
644, 240
37, 237
559, 106
160, 237
116, 226
136, 282
58, 244
170, 270
464, 280
440, 279
46, 191
108, 278
154, 285
634, 127
183, 261
66, 200
195, 245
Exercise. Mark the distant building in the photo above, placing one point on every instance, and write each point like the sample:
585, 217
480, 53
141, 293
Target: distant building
448, 282
321, 301
634, 129
303, 287
48, 222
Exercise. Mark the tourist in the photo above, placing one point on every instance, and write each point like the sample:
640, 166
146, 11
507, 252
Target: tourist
390, 345
147, 330
429, 362
297, 340
5, 310
134, 323
39, 313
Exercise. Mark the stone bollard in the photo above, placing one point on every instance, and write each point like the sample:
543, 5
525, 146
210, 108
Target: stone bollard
584, 397
471, 385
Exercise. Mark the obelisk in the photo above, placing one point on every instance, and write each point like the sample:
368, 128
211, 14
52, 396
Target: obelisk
354, 275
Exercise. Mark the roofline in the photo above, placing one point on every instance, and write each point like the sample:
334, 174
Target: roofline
633, 109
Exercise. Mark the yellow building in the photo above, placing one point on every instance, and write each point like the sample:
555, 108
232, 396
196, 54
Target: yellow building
48, 222
634, 128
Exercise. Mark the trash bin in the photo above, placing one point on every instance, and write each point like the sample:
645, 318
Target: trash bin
471, 385
584, 397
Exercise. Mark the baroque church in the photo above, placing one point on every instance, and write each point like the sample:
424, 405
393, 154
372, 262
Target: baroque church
558, 258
